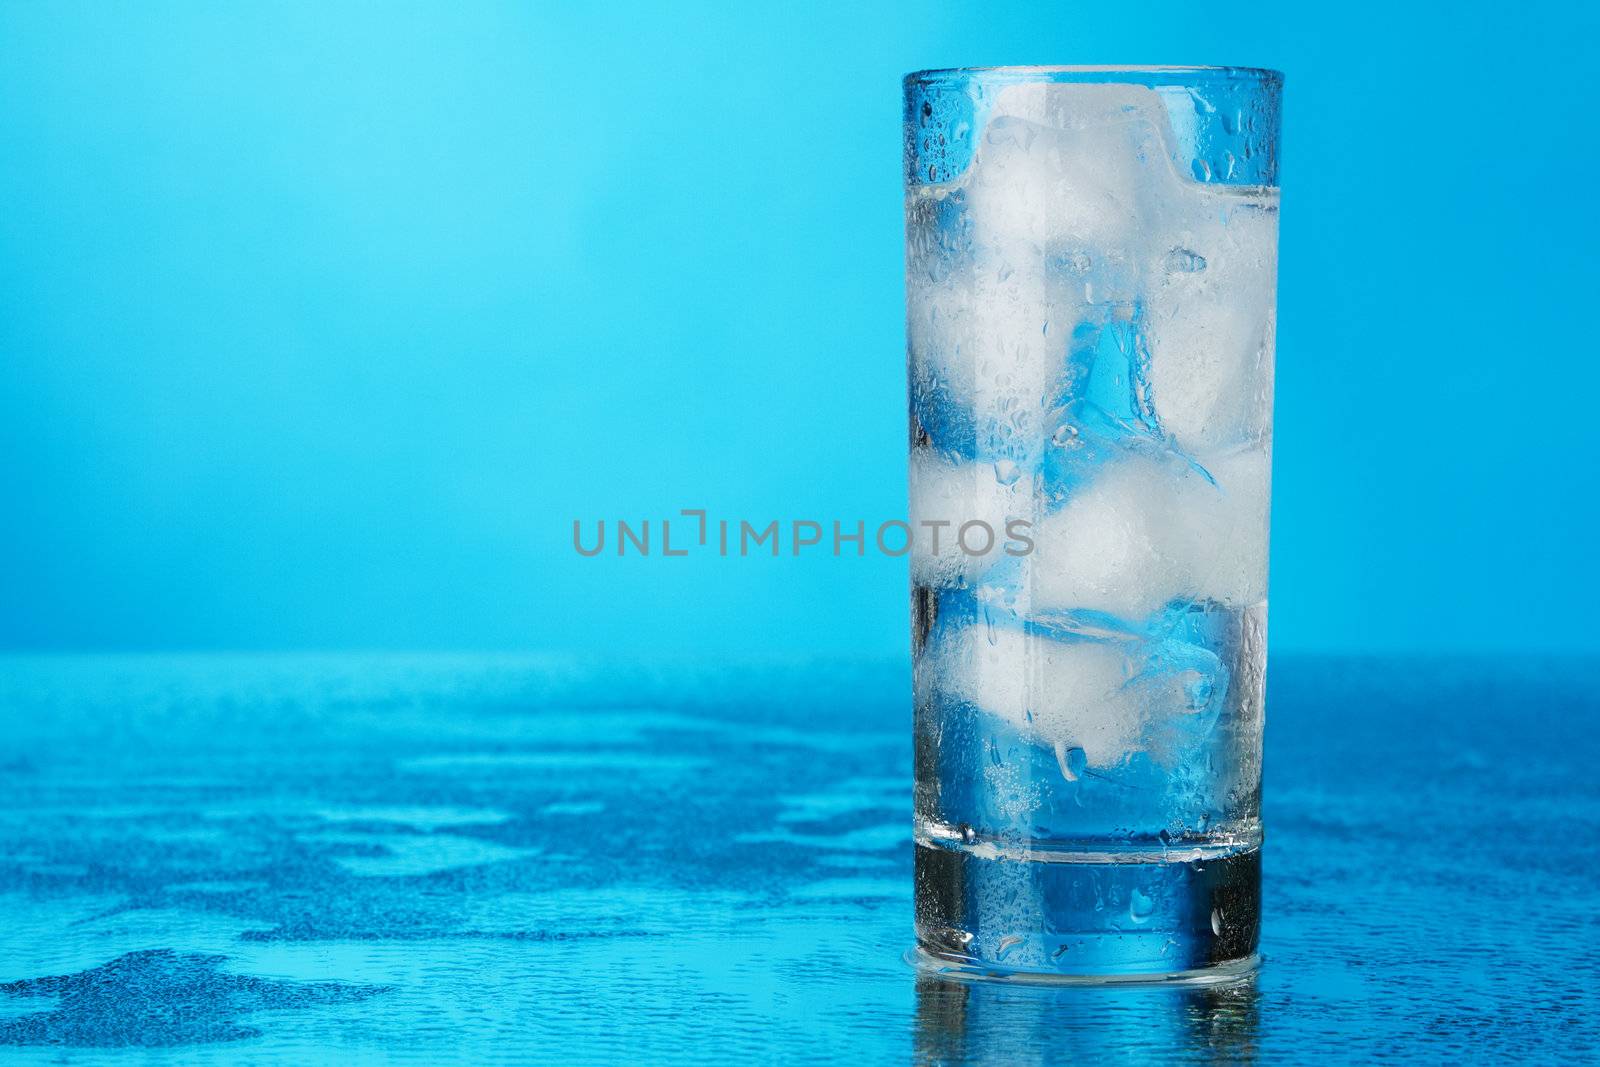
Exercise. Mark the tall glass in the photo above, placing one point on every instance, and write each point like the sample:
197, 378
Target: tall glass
1091, 259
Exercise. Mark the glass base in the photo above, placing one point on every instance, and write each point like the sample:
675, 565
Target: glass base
1220, 974
1086, 916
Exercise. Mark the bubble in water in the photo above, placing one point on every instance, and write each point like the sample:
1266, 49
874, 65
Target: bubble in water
1006, 471
1140, 906
1072, 759
1216, 921
1183, 261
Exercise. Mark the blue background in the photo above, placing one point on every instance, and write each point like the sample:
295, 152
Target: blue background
320, 326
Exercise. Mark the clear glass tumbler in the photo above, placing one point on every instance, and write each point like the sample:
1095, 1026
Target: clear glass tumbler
1091, 260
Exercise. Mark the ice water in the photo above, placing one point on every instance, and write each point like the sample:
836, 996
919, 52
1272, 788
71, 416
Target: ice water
1090, 321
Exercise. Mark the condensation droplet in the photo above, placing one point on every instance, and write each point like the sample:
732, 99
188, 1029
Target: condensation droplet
1202, 171
1183, 261
1140, 906
1006, 471
1066, 436
1216, 921
1072, 760
1006, 944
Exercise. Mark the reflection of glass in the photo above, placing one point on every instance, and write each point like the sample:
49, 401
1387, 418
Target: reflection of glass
1013, 1025
1091, 272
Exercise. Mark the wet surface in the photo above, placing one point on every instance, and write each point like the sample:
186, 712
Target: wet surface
513, 859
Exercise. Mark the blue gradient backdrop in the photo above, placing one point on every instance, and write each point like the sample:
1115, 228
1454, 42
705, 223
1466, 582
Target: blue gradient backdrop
320, 325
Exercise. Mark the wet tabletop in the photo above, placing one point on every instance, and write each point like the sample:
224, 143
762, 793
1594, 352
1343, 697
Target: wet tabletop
525, 859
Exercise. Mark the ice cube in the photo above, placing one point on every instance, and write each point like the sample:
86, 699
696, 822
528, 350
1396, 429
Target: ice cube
1209, 323
956, 493
1230, 553
1148, 529
1044, 232
1033, 187
1182, 687
1074, 164
1121, 544
988, 352
1081, 105
1072, 694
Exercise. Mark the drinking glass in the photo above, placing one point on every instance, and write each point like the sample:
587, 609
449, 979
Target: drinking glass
1091, 260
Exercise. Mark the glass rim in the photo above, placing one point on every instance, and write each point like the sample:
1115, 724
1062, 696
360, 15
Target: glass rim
1165, 74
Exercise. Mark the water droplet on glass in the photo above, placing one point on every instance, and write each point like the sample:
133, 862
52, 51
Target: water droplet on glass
1140, 906
1006, 944
1065, 436
1076, 263
968, 834
1183, 261
1006, 471
1216, 921
1072, 760
1202, 171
